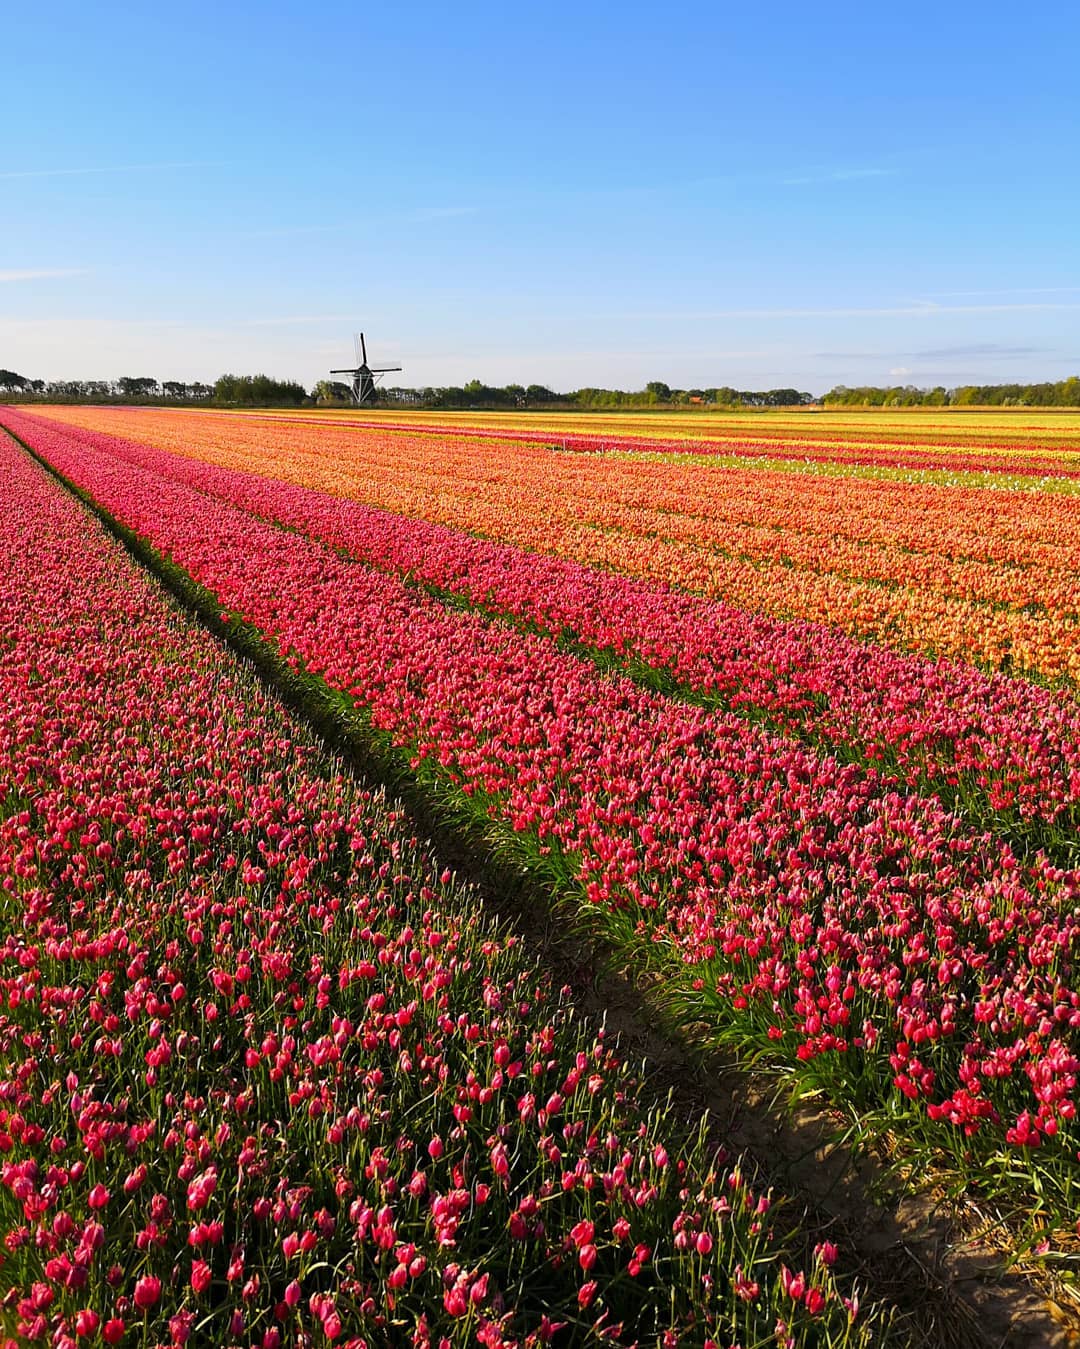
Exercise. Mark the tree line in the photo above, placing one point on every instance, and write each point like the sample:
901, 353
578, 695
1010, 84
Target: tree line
129, 388
256, 390
263, 391
656, 394
235, 389
1065, 393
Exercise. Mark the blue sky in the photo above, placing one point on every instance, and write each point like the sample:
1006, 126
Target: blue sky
574, 194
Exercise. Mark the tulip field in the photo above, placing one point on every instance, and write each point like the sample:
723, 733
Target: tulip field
782, 714
269, 1076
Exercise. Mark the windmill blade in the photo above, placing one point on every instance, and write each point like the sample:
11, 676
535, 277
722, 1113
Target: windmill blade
364, 378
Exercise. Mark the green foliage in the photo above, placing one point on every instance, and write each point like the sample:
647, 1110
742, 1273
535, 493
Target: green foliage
250, 390
143, 387
254, 389
1063, 394
331, 391
656, 393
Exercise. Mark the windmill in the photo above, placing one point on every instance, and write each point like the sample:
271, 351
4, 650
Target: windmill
364, 378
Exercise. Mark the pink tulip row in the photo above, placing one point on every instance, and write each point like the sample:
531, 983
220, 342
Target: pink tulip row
1004, 750
266, 1076
864, 935
830, 549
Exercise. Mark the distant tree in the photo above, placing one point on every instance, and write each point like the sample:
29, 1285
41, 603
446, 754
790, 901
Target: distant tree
476, 393
137, 387
1064, 393
13, 383
258, 389
332, 391
660, 392
409, 397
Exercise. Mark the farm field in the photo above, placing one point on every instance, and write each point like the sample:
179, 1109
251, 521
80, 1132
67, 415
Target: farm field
1036, 430
785, 718
1029, 439
268, 1073
987, 577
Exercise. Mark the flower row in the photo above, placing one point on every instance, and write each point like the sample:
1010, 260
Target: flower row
1005, 751
971, 573
861, 934
1046, 451
267, 1075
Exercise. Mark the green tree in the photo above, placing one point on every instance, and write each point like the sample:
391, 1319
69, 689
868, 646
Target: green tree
261, 390
143, 386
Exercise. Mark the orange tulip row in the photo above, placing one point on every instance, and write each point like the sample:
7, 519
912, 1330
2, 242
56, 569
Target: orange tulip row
990, 435
987, 575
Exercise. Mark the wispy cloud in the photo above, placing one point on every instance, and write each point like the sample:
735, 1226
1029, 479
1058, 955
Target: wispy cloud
1014, 290
990, 351
852, 355
978, 351
40, 273
290, 319
441, 212
815, 176
925, 309
419, 214
285, 231
111, 168
202, 325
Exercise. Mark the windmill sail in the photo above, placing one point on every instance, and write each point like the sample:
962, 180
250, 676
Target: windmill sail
364, 377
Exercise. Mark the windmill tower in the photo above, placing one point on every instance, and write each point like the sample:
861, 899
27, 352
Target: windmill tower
364, 377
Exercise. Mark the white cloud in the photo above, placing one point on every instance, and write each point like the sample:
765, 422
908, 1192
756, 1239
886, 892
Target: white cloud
286, 231
899, 371
293, 319
441, 212
418, 215
110, 168
835, 176
919, 309
1014, 290
39, 273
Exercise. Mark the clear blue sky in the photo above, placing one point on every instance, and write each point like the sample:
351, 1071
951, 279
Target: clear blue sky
755, 195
